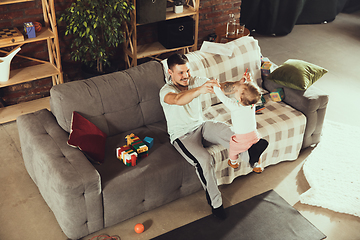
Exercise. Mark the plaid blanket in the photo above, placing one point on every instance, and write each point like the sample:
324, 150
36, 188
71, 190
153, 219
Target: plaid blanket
246, 55
280, 124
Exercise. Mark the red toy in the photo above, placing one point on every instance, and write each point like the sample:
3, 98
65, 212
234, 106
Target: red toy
245, 76
139, 228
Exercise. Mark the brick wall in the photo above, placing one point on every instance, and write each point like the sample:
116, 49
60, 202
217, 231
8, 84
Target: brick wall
212, 14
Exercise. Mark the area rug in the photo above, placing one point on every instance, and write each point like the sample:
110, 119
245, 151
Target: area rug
265, 216
333, 170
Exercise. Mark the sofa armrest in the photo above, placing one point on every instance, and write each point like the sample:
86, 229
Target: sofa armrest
67, 181
311, 102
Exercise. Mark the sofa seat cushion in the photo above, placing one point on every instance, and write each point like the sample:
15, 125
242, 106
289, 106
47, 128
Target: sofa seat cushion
161, 177
280, 124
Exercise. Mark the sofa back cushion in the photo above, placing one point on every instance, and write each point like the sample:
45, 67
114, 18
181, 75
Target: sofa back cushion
115, 102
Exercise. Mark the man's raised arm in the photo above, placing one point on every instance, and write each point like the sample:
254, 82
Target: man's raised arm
186, 96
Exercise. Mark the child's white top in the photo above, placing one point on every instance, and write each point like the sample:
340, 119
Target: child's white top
242, 117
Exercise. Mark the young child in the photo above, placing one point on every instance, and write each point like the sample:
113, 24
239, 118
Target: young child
246, 136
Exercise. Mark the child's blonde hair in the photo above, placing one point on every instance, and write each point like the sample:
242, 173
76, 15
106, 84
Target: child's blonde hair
251, 95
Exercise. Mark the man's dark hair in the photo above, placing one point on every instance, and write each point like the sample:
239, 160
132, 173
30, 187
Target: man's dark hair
176, 59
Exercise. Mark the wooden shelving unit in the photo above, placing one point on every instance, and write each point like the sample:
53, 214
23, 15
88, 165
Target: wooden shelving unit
43, 69
3, 2
133, 52
10, 113
28, 74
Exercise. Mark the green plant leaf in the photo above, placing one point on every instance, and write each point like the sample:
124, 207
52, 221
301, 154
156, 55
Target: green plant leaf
97, 27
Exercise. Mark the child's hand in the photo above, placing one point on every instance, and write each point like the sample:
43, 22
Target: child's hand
247, 77
218, 83
243, 78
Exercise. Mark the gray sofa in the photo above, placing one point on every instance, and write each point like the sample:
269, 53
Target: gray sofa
85, 197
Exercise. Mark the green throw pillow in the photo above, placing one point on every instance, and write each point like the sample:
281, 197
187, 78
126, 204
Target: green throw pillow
297, 74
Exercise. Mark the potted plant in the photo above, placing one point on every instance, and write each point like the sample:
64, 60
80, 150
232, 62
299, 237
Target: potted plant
96, 26
179, 6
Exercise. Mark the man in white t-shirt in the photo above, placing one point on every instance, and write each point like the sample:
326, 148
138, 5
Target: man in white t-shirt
180, 99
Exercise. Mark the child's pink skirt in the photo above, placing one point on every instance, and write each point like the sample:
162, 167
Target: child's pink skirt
242, 142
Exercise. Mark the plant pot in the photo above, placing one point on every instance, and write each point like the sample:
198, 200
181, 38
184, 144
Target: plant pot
178, 9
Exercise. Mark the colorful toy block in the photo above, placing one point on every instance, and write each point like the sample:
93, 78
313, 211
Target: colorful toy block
265, 66
260, 105
259, 108
29, 29
127, 155
133, 150
263, 100
149, 142
277, 95
137, 145
265, 69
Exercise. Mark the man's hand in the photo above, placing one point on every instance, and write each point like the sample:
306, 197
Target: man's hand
186, 96
208, 86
